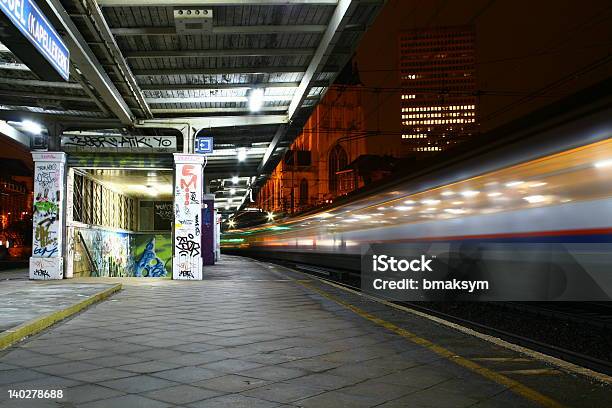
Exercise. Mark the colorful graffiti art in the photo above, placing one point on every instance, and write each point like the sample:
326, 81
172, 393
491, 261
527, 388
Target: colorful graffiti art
123, 254
47, 198
187, 222
155, 259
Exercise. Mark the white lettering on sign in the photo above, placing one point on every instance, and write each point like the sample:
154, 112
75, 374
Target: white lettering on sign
113, 143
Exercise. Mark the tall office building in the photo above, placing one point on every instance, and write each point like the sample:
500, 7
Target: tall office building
438, 78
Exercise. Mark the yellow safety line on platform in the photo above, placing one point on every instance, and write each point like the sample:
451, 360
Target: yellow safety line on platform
16, 334
513, 385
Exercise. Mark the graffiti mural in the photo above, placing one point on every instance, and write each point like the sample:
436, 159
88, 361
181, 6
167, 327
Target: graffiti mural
47, 215
100, 252
153, 255
187, 262
47, 195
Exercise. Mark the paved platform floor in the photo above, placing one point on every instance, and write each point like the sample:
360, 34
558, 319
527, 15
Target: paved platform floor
23, 300
256, 335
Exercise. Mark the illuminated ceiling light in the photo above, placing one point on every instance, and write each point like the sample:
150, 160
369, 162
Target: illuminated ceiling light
470, 193
381, 208
455, 211
31, 127
409, 202
227, 207
537, 184
231, 223
324, 215
152, 191
448, 193
363, 217
232, 191
514, 183
430, 202
351, 220
256, 99
403, 208
241, 153
457, 202
235, 180
604, 163
534, 199
494, 194
270, 216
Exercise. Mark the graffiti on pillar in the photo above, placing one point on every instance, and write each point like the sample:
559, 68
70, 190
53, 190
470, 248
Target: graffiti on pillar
47, 195
45, 268
187, 233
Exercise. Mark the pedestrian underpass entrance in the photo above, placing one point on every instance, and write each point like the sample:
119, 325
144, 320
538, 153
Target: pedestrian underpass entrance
120, 222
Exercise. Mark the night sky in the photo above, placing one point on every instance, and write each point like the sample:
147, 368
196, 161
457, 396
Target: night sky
522, 47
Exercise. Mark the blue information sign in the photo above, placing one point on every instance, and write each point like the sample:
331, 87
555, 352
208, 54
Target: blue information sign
30, 21
204, 144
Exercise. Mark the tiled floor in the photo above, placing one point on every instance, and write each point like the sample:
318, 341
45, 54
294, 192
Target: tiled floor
246, 337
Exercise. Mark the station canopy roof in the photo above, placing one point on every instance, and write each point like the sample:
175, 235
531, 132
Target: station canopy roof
149, 67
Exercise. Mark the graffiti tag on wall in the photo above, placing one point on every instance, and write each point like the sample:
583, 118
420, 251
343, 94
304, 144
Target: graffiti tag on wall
47, 207
187, 233
113, 143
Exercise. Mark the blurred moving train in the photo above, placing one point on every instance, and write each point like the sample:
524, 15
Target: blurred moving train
550, 182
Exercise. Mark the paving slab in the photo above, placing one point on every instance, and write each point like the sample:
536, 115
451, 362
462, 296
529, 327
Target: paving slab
256, 335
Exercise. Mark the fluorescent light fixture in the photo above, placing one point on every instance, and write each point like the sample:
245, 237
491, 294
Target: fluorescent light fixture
232, 191
455, 211
494, 194
514, 183
256, 99
270, 216
430, 202
448, 193
537, 184
31, 127
227, 207
470, 193
409, 202
242, 154
231, 223
403, 208
603, 163
381, 208
235, 180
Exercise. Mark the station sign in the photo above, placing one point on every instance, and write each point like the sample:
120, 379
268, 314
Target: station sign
203, 145
28, 19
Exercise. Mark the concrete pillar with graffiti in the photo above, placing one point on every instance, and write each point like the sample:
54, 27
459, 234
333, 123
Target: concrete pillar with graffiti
187, 258
47, 260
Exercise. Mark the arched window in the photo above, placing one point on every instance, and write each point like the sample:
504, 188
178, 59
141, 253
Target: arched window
338, 160
303, 192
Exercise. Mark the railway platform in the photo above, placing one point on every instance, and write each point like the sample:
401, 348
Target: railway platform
253, 334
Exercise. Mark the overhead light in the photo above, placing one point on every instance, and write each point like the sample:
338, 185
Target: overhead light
242, 154
514, 183
232, 191
152, 191
430, 202
538, 184
270, 216
447, 193
603, 163
494, 194
231, 223
256, 99
227, 207
403, 208
455, 211
409, 202
31, 127
235, 180
381, 208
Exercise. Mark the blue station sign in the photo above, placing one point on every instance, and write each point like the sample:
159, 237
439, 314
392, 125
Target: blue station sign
31, 22
203, 144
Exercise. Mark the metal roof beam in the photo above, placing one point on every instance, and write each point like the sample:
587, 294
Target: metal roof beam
218, 99
212, 122
245, 52
195, 111
208, 3
223, 30
83, 57
220, 71
37, 83
187, 87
